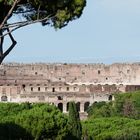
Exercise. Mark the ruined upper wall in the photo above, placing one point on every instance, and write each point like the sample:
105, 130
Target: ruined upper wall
127, 74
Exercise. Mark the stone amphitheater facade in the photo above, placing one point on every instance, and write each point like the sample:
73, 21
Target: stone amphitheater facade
61, 83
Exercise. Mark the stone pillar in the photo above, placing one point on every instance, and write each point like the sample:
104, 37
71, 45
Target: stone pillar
91, 99
64, 107
81, 107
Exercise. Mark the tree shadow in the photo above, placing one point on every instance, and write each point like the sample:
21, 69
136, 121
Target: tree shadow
11, 131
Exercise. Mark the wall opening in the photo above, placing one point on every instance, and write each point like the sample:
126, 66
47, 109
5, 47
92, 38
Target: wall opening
53, 89
23, 86
110, 98
32, 88
59, 97
86, 106
60, 106
68, 88
68, 106
38, 88
4, 98
78, 106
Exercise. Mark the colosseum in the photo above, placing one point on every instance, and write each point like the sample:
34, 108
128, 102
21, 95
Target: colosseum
61, 83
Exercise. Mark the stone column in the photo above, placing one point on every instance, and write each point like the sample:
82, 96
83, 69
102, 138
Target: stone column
91, 99
81, 107
64, 107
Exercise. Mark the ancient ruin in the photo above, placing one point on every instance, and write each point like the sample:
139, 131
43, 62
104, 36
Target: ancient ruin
61, 83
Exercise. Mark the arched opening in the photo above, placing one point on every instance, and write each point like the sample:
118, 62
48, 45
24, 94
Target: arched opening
68, 88
32, 88
60, 106
23, 86
59, 97
99, 72
68, 106
53, 89
78, 106
110, 98
38, 88
86, 105
4, 98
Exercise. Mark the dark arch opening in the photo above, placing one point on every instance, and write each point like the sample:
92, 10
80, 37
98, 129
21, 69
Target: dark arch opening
68, 106
4, 98
110, 98
78, 106
59, 97
53, 89
86, 105
60, 106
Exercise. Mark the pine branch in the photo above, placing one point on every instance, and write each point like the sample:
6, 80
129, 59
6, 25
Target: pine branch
18, 25
9, 13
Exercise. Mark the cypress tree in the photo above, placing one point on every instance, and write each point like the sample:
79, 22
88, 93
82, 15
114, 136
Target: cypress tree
74, 124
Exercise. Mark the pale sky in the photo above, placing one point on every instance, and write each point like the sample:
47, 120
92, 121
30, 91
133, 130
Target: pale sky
107, 32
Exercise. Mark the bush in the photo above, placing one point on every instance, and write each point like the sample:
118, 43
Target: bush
113, 128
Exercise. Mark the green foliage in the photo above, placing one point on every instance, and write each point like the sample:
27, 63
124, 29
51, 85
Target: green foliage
43, 122
74, 124
126, 104
100, 109
102, 125
10, 110
113, 128
62, 11
32, 121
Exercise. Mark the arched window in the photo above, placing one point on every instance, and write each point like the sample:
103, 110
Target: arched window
60, 106
53, 89
23, 86
68, 88
32, 88
86, 105
4, 98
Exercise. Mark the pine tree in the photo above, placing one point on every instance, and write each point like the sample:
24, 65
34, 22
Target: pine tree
74, 123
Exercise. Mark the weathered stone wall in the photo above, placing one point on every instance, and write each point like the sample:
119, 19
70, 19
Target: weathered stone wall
61, 83
74, 73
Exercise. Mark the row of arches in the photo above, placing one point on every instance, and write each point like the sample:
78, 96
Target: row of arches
78, 106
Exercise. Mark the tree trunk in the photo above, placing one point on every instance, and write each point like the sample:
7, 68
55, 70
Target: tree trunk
4, 10
3, 54
1, 47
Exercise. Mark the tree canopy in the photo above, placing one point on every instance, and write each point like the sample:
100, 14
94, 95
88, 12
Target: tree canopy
56, 13
32, 121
